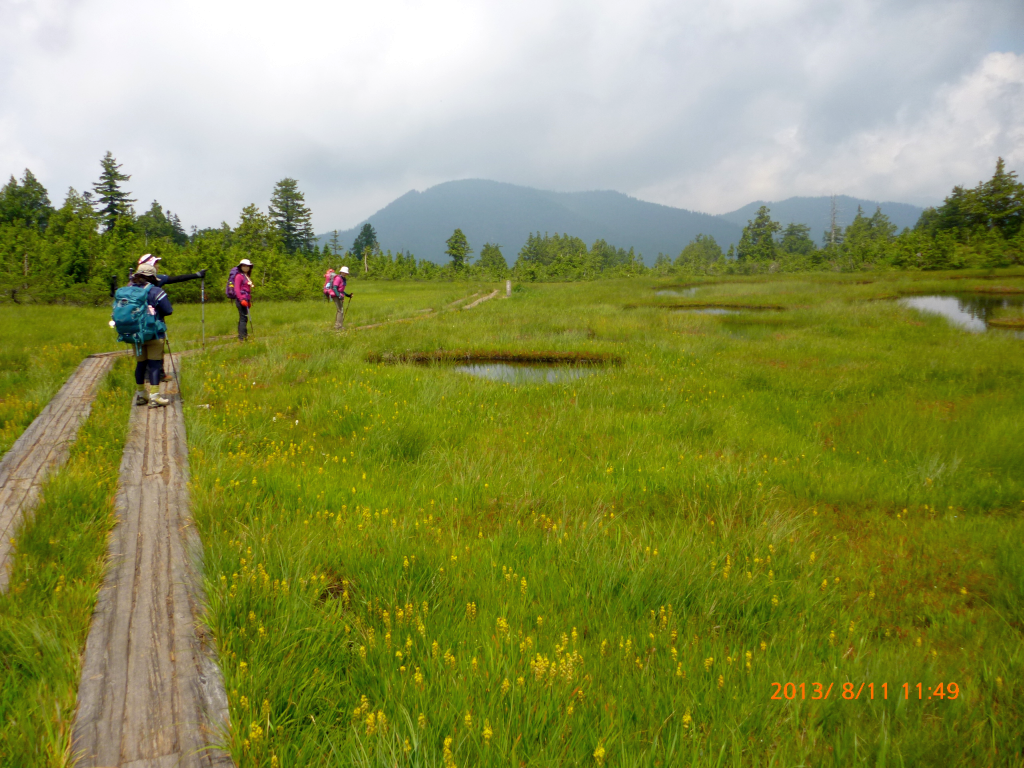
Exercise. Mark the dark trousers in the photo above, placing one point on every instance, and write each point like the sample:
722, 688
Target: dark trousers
243, 320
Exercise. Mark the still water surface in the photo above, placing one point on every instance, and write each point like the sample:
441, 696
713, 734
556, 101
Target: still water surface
511, 373
684, 292
968, 311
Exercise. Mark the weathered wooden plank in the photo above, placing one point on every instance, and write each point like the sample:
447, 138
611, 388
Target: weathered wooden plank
105, 665
151, 693
42, 448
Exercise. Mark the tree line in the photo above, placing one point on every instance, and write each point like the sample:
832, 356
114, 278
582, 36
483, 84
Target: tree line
73, 253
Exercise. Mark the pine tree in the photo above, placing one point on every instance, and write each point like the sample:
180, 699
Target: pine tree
27, 202
492, 262
291, 217
1000, 200
112, 202
365, 242
757, 242
335, 245
458, 250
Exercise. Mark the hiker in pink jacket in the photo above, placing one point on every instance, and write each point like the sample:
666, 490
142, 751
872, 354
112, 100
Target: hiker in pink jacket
242, 286
337, 292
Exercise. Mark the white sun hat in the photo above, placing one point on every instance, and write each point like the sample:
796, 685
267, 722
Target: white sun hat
245, 262
344, 270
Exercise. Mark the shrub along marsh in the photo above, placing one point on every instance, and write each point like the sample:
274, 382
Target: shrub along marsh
408, 565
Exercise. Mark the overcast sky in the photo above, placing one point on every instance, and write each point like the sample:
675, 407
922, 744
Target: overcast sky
700, 104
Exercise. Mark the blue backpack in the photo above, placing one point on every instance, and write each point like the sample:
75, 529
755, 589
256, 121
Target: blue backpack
133, 320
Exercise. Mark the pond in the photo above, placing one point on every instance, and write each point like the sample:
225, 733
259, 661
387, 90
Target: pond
678, 292
968, 311
517, 373
712, 311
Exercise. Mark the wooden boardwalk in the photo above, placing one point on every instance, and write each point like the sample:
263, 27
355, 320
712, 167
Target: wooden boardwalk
42, 448
151, 694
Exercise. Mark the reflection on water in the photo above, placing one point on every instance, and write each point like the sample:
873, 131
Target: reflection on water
968, 311
712, 311
685, 292
527, 374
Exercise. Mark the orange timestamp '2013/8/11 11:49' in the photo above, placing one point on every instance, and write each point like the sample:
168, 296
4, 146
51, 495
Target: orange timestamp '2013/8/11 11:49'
850, 692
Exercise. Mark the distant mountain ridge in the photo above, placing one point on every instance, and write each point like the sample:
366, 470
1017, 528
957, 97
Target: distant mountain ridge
506, 214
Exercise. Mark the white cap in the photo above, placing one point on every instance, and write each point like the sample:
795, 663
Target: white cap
344, 270
245, 262
148, 258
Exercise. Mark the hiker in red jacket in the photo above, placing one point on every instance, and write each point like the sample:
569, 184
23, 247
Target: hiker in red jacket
242, 284
336, 290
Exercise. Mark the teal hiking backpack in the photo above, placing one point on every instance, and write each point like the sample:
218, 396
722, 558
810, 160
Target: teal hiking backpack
133, 320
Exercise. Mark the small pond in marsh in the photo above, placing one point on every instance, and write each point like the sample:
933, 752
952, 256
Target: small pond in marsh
711, 311
678, 292
531, 373
970, 311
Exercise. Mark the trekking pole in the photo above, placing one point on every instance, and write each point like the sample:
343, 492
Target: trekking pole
248, 319
202, 303
174, 371
344, 310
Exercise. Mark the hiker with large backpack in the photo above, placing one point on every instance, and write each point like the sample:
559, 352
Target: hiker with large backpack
328, 279
239, 288
335, 288
138, 317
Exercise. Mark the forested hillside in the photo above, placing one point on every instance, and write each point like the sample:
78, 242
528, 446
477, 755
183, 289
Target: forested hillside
75, 252
816, 212
507, 215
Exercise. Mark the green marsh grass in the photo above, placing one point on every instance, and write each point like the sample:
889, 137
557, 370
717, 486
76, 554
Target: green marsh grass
410, 566
40, 345
58, 566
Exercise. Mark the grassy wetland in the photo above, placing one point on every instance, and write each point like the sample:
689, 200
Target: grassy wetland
408, 565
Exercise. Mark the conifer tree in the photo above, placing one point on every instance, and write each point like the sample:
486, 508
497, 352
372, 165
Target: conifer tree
366, 239
112, 202
458, 250
492, 261
291, 217
27, 202
757, 242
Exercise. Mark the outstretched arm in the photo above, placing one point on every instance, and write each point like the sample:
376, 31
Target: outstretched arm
163, 280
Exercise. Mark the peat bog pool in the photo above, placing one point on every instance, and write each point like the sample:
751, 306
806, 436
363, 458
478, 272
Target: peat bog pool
678, 292
523, 373
971, 312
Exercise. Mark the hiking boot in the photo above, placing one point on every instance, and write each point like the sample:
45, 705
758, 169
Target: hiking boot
158, 401
166, 377
141, 398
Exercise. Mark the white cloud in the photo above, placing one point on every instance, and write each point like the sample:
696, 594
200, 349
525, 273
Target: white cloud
687, 103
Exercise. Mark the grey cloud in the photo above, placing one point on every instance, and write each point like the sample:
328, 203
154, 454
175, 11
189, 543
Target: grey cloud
684, 103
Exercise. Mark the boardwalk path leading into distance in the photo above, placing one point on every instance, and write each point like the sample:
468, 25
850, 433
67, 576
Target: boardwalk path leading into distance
42, 448
151, 694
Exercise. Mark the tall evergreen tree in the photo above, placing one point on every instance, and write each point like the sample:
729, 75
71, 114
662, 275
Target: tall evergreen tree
796, 240
458, 250
112, 202
757, 243
1000, 200
27, 202
334, 243
492, 261
291, 217
366, 239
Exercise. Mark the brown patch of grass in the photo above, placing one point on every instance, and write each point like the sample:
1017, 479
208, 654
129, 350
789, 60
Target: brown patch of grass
1014, 323
493, 356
